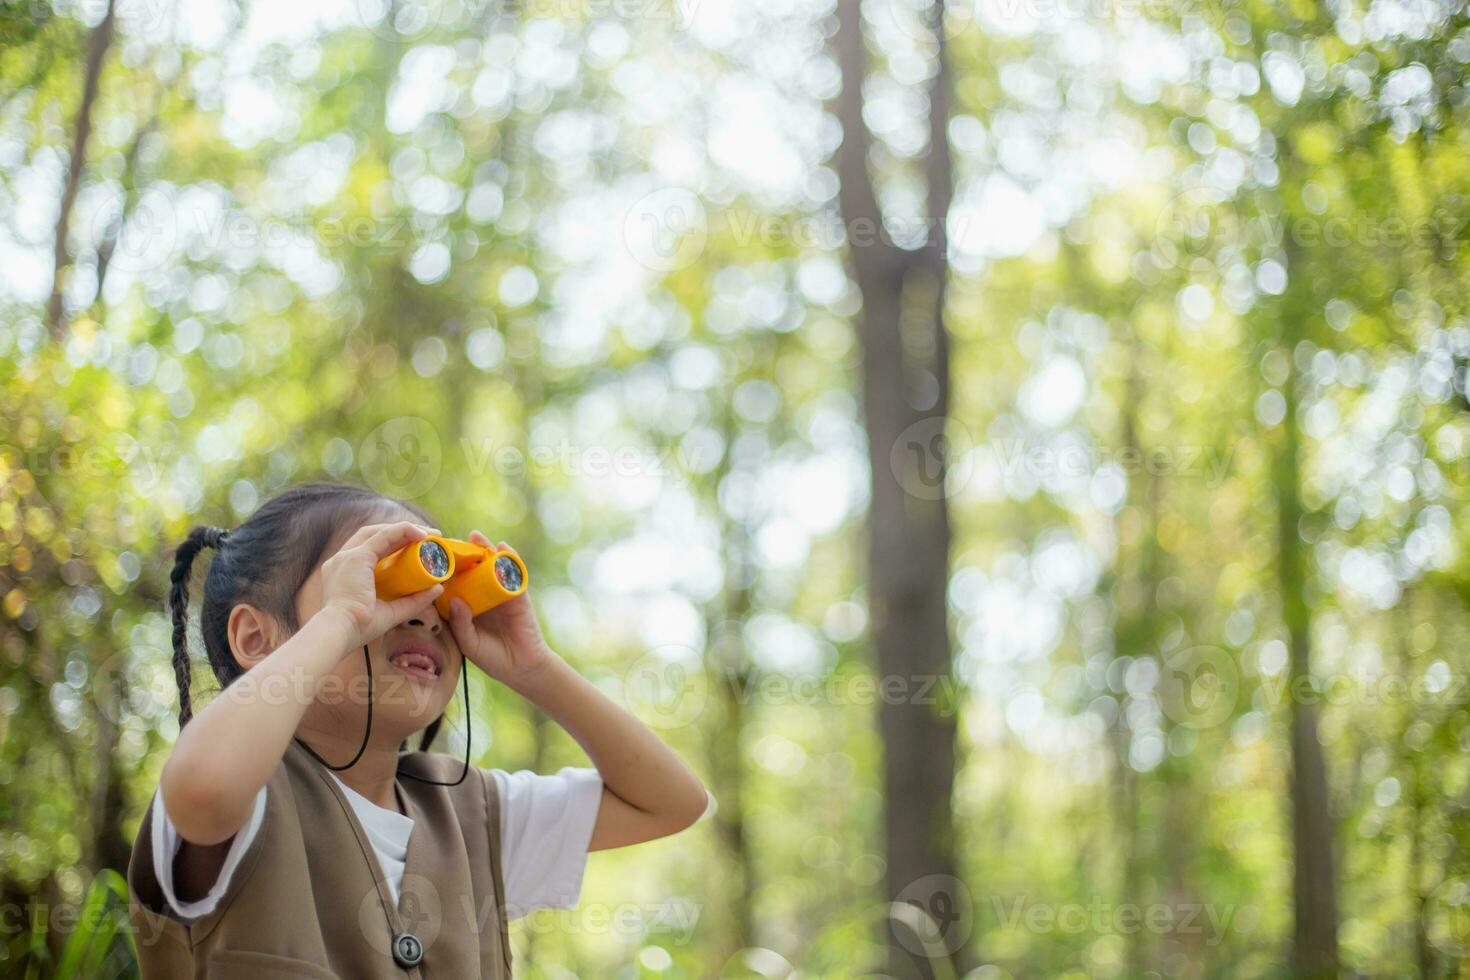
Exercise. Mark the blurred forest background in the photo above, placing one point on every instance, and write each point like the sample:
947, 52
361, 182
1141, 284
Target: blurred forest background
1014, 450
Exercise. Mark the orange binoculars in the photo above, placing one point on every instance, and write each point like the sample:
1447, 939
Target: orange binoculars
483, 576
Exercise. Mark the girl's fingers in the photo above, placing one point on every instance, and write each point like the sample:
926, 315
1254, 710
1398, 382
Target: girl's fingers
461, 624
356, 537
366, 531
479, 538
406, 607
391, 537
364, 536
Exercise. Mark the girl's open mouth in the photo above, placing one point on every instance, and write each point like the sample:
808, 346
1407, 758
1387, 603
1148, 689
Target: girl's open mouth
419, 661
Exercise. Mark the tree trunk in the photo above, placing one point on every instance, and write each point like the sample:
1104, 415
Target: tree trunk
1132, 598
97, 47
109, 847
730, 677
108, 246
1315, 892
1418, 796
730, 680
905, 403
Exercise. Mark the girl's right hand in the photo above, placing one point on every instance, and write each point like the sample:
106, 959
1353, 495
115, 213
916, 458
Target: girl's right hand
349, 585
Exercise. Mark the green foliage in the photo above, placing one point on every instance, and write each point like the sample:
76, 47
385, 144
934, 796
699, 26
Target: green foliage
94, 942
333, 252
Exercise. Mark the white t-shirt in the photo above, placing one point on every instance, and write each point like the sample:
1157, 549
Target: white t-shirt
545, 828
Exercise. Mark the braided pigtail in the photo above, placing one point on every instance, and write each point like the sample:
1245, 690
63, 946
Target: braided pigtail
178, 603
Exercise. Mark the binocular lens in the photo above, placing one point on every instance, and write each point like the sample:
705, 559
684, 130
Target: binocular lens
435, 558
509, 573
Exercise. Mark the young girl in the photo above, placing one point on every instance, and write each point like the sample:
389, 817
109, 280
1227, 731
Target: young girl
291, 837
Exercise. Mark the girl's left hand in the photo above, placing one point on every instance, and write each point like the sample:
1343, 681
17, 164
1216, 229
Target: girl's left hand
504, 642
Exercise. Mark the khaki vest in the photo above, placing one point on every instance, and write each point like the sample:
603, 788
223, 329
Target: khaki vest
308, 898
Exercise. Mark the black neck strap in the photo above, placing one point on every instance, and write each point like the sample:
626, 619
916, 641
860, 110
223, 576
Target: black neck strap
469, 728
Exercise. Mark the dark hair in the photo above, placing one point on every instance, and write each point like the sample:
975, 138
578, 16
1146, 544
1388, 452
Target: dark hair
264, 562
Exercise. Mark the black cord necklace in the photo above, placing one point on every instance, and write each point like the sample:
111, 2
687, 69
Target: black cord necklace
469, 728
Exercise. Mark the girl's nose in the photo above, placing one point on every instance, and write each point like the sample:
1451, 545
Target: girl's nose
434, 623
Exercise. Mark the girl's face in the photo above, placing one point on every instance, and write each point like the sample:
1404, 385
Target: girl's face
416, 668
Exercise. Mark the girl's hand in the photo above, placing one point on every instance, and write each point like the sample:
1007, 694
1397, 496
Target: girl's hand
504, 642
348, 584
